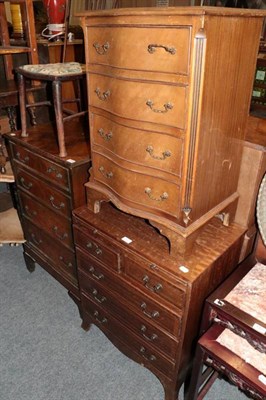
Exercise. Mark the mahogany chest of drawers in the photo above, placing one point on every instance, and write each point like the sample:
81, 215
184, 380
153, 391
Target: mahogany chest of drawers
48, 188
169, 93
147, 302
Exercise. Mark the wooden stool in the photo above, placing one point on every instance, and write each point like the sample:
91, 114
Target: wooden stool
55, 73
234, 342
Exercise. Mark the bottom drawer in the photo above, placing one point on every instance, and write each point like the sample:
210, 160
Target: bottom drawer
62, 258
105, 321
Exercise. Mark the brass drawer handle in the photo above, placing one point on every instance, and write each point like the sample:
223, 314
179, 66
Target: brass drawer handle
152, 47
95, 296
167, 107
147, 357
97, 250
67, 264
101, 49
29, 212
101, 321
58, 207
162, 197
153, 314
98, 276
52, 170
104, 95
24, 160
61, 237
24, 184
35, 240
165, 154
107, 175
151, 338
106, 136
155, 288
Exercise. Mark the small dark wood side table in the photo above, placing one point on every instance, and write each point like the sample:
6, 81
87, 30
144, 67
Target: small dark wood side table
234, 342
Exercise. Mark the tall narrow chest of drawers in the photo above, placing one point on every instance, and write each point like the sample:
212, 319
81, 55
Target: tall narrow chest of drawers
48, 188
147, 302
169, 94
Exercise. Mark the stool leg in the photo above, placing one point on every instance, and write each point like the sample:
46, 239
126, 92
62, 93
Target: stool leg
78, 94
31, 110
22, 103
57, 96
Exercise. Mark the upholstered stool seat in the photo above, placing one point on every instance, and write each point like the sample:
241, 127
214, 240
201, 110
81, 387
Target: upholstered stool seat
50, 71
56, 74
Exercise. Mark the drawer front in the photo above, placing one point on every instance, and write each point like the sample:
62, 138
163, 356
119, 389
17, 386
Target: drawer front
56, 200
91, 268
124, 47
48, 169
149, 102
59, 256
138, 146
144, 306
54, 224
148, 191
146, 331
153, 283
99, 251
104, 320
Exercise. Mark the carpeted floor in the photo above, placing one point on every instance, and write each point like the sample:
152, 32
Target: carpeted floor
45, 355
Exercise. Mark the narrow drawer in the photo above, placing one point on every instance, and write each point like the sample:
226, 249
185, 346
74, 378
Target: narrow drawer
146, 331
53, 198
148, 102
124, 47
94, 247
141, 147
54, 224
62, 259
91, 268
153, 283
148, 354
50, 170
139, 188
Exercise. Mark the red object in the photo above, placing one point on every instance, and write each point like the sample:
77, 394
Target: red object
56, 14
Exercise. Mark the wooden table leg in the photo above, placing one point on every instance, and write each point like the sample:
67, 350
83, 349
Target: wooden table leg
22, 102
57, 96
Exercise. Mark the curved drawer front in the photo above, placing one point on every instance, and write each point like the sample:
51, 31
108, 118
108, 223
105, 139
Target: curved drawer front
143, 147
54, 224
58, 201
124, 47
48, 169
59, 256
156, 103
151, 192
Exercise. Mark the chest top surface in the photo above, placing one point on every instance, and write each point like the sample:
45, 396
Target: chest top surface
145, 241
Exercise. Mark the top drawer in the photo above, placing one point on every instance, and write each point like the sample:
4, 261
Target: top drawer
47, 168
141, 48
151, 282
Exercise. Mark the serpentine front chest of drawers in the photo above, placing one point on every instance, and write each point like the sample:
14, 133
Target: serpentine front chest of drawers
169, 93
147, 302
48, 189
